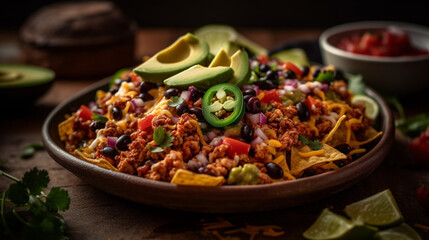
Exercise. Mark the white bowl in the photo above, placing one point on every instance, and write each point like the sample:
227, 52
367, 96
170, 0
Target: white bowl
393, 75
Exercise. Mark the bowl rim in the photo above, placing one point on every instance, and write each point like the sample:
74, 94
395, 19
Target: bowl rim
321, 182
363, 25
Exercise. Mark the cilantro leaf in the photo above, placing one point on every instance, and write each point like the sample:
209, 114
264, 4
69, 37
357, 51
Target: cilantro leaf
36, 180
314, 145
58, 199
158, 135
99, 117
167, 141
28, 152
175, 100
157, 149
326, 76
18, 193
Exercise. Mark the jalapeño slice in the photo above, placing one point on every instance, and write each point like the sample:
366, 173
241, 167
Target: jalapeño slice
223, 105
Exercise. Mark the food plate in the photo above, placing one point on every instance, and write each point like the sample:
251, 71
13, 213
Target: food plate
224, 199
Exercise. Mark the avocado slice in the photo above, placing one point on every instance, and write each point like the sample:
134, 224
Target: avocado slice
185, 52
223, 36
24, 82
295, 55
201, 77
239, 62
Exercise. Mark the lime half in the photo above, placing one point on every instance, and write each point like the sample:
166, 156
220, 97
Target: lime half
378, 210
401, 232
333, 226
295, 55
371, 107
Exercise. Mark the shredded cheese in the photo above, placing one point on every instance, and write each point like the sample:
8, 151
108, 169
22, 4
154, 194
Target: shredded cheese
200, 133
273, 142
321, 94
357, 150
344, 107
332, 132
127, 107
312, 124
312, 153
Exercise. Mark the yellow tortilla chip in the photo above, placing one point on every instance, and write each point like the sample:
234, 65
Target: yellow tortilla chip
281, 161
185, 177
299, 163
65, 128
99, 162
370, 135
330, 135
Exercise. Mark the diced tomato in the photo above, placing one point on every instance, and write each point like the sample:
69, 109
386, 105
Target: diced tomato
146, 122
236, 147
84, 113
419, 149
262, 59
136, 79
270, 95
310, 101
293, 68
368, 41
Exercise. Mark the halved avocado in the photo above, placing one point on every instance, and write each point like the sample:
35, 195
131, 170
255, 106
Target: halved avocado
239, 62
201, 77
223, 36
185, 52
24, 82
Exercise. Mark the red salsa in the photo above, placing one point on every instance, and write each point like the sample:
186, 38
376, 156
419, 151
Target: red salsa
390, 42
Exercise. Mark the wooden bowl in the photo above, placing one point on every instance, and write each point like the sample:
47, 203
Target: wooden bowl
224, 199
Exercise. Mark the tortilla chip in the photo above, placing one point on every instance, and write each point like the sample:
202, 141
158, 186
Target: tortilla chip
185, 177
65, 128
370, 135
299, 163
331, 134
99, 162
281, 161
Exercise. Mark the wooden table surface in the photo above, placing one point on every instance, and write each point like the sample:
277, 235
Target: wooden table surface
96, 215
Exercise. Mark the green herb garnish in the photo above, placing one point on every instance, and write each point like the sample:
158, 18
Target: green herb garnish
326, 76
175, 100
414, 126
30, 213
314, 145
29, 150
163, 140
99, 117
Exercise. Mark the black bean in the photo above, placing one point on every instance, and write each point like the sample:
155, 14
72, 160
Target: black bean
198, 113
339, 163
97, 125
254, 105
344, 148
339, 75
146, 86
264, 67
113, 91
316, 73
246, 98
128, 79
305, 70
290, 75
182, 108
357, 155
171, 92
303, 112
271, 75
249, 92
109, 152
274, 170
247, 132
122, 142
145, 96
195, 95
265, 85
117, 113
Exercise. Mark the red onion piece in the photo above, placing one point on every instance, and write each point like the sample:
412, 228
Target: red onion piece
111, 141
256, 141
254, 118
325, 87
304, 88
175, 119
261, 134
185, 95
262, 119
211, 135
139, 110
138, 102
217, 141
98, 111
203, 159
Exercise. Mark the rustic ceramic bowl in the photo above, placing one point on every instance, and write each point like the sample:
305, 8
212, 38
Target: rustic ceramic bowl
392, 75
224, 199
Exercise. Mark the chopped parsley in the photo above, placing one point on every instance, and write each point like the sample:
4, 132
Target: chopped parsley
27, 212
175, 100
163, 140
314, 145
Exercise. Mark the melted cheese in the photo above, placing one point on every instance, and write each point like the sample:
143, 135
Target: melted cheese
312, 153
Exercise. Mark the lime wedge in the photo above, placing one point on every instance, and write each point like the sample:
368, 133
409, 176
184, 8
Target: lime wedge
371, 107
333, 226
295, 55
223, 36
378, 210
401, 232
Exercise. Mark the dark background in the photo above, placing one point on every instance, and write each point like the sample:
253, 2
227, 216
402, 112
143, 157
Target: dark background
263, 14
